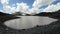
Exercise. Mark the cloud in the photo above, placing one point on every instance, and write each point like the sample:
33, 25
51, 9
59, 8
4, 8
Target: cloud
33, 11
39, 3
52, 8
4, 2
9, 9
1, 10
24, 8
6, 7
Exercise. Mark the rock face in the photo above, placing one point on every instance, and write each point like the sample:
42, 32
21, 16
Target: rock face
26, 22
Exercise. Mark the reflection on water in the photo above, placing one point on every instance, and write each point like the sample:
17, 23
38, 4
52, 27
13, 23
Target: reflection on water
26, 22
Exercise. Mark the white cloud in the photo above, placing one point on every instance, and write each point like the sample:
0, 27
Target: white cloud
1, 10
33, 11
6, 7
4, 2
39, 3
52, 8
22, 7
25, 9
9, 9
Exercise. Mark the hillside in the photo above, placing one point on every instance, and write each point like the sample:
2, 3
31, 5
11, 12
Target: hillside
55, 15
4, 17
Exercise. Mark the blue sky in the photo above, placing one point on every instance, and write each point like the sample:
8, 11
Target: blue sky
28, 2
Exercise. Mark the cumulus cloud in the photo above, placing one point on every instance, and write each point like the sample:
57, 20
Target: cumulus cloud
9, 9
6, 7
39, 3
52, 8
33, 11
24, 8
4, 2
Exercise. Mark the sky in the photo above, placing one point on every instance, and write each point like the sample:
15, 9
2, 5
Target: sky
29, 6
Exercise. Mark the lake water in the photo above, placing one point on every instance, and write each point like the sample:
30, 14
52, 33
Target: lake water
26, 22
